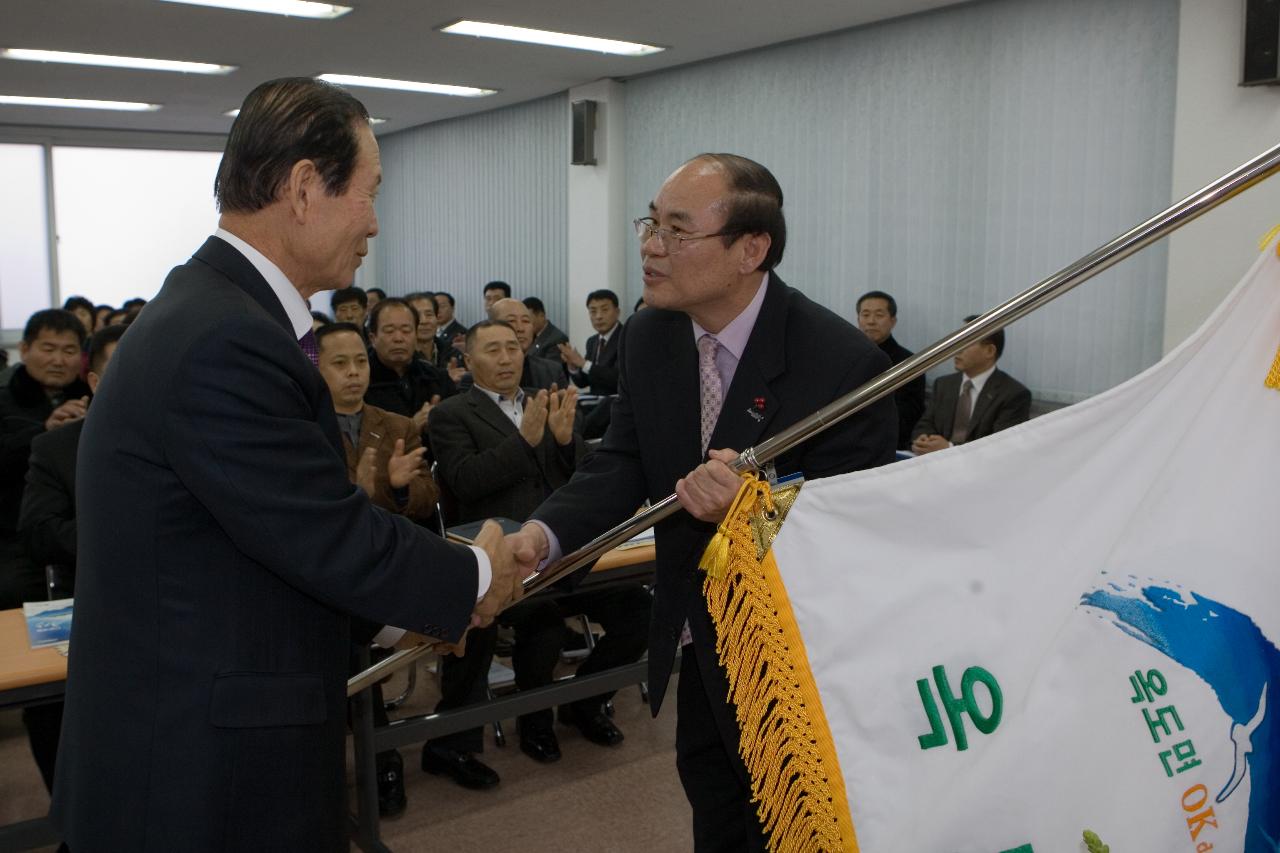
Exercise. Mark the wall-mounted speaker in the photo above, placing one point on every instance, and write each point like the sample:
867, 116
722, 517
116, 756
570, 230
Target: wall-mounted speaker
584, 133
1261, 43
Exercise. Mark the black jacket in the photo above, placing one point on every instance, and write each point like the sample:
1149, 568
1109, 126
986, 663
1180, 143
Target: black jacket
799, 357
405, 395
602, 378
47, 522
222, 548
909, 398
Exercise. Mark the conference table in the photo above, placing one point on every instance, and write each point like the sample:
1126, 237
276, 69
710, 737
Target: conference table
37, 676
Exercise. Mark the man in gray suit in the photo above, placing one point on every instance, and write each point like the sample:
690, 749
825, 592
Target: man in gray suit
977, 400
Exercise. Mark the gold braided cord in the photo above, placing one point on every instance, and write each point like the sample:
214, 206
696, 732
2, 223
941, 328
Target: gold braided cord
1273, 376
785, 741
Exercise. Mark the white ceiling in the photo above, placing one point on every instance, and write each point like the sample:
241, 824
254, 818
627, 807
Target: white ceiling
381, 38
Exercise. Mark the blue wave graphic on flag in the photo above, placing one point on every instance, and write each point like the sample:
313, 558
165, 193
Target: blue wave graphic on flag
1230, 653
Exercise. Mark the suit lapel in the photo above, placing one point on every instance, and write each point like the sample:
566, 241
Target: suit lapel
751, 404
487, 411
679, 391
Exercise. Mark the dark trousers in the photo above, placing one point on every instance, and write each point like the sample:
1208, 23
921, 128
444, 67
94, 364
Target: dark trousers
715, 779
465, 681
44, 726
621, 610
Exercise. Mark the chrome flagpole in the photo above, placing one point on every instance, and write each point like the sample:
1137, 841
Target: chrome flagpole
752, 459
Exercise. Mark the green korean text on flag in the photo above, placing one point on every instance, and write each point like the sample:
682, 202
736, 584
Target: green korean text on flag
1071, 625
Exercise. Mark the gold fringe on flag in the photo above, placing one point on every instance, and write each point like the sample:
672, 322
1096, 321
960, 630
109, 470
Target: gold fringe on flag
785, 741
1273, 376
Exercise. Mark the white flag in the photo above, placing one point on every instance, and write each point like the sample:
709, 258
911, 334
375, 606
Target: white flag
1071, 625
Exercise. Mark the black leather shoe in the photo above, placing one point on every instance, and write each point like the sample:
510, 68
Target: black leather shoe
390, 772
542, 745
594, 725
462, 767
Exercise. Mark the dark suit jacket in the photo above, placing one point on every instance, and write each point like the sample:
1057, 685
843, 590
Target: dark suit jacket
800, 357
381, 429
447, 334
47, 521
543, 373
602, 378
485, 465
909, 398
221, 548
1004, 401
547, 343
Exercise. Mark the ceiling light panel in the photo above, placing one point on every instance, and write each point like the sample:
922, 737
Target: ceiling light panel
547, 37
407, 85
78, 103
115, 61
290, 8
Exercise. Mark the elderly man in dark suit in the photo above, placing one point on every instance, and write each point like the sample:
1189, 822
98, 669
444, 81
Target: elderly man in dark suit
222, 546
977, 400
541, 373
725, 356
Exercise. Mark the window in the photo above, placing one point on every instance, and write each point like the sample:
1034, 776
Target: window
24, 235
126, 217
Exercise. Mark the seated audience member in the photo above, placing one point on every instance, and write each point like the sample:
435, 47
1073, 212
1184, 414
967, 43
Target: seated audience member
451, 332
375, 295
546, 337
541, 373
436, 352
47, 527
400, 380
495, 290
501, 451
877, 316
350, 305
976, 401
100, 315
598, 369
44, 393
84, 311
384, 457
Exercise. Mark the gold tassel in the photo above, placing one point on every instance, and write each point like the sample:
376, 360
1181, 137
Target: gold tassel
785, 741
1273, 377
1267, 238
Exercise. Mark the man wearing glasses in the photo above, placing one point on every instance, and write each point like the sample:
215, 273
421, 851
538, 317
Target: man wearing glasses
728, 357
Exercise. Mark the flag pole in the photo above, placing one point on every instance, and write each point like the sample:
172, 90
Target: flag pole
753, 458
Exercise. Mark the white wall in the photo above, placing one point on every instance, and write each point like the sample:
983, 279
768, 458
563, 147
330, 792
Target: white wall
1218, 126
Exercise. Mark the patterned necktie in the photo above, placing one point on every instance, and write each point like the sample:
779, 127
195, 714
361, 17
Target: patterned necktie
964, 409
309, 347
712, 394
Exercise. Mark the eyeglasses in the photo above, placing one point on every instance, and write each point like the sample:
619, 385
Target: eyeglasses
671, 241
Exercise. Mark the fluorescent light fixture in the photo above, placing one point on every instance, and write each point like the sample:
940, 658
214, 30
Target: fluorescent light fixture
502, 31
291, 8
115, 61
78, 103
236, 112
407, 85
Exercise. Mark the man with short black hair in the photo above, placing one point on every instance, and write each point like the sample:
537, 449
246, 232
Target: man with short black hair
451, 332
546, 337
495, 290
977, 400
350, 305
375, 295
47, 527
83, 309
598, 369
877, 314
400, 380
44, 393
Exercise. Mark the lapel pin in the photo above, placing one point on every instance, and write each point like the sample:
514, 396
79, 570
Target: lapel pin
759, 404
757, 411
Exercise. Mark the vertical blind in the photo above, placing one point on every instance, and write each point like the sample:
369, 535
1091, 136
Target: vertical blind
953, 159
479, 198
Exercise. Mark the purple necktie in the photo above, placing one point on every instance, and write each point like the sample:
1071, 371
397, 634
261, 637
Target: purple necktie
309, 347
